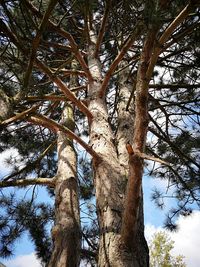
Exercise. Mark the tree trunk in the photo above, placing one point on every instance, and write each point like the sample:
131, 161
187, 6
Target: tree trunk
6, 109
66, 232
110, 178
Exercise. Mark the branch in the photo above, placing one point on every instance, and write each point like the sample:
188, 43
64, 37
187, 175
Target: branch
34, 48
133, 190
27, 181
119, 57
165, 36
176, 149
147, 157
133, 198
19, 116
68, 36
64, 88
102, 28
54, 126
30, 165
174, 86
50, 97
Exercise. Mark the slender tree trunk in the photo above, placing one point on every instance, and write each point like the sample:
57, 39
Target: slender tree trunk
66, 232
6, 109
110, 177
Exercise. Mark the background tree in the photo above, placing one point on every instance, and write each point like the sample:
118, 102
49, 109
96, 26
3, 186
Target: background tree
160, 252
117, 80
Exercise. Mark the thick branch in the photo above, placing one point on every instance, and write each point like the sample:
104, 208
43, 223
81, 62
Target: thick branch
26, 182
19, 116
133, 190
133, 197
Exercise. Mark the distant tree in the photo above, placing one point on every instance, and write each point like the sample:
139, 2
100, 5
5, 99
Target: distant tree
160, 249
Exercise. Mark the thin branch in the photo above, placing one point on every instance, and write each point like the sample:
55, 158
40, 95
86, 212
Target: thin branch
27, 181
165, 36
64, 88
176, 149
50, 97
68, 36
147, 157
119, 57
54, 126
33, 163
102, 28
174, 86
34, 48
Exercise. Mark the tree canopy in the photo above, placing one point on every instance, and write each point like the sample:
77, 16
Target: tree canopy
49, 52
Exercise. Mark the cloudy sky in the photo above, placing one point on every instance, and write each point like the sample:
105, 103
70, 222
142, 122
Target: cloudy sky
187, 243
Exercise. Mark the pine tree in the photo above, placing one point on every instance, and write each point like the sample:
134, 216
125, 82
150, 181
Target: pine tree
88, 91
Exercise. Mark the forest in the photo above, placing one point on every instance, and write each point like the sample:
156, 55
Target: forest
95, 95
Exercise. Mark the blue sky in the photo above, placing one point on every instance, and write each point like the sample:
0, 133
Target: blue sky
154, 218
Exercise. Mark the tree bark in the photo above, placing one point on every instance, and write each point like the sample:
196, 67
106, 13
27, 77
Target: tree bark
111, 174
6, 109
66, 232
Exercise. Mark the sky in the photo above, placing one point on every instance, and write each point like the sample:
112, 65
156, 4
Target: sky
186, 238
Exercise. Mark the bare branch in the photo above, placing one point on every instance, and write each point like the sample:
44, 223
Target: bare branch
19, 116
25, 182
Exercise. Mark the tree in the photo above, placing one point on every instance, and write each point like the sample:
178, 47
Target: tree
98, 76
160, 252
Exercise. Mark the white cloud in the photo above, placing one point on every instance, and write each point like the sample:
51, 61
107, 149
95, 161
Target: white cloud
29, 260
187, 238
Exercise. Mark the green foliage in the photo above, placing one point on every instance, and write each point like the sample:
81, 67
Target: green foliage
19, 216
161, 252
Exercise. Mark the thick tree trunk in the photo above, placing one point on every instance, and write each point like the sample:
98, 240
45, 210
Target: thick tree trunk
66, 232
110, 178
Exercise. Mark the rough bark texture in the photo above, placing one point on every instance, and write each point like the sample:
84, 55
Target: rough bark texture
5, 106
111, 175
66, 232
